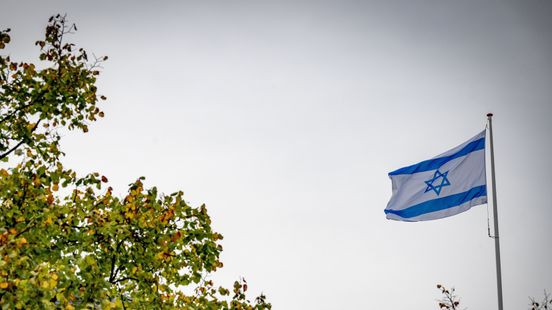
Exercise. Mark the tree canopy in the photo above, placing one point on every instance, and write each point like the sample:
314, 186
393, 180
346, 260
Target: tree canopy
66, 241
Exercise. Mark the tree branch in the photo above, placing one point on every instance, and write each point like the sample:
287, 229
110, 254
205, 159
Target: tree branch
114, 272
10, 115
20, 142
31, 224
126, 278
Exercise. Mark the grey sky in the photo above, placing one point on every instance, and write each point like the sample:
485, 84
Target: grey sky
285, 117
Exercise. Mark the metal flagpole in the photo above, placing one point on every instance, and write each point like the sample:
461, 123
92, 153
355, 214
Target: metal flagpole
495, 213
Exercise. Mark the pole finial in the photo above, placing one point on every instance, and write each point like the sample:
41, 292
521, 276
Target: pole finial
489, 114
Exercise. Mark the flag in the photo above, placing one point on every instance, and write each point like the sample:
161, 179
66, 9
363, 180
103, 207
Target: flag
443, 186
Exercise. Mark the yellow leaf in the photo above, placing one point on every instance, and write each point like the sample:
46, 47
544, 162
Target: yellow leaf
22, 241
55, 187
52, 283
129, 215
4, 285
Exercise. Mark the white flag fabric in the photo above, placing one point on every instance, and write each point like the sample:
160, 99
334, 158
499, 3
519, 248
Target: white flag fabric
443, 186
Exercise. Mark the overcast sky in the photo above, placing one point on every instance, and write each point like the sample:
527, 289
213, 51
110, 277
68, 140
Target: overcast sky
285, 117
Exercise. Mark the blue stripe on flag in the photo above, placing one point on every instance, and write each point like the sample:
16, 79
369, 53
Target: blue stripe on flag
441, 203
432, 164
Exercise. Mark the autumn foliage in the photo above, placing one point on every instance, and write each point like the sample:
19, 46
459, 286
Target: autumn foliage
66, 241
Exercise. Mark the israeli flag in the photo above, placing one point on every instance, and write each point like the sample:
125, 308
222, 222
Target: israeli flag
446, 185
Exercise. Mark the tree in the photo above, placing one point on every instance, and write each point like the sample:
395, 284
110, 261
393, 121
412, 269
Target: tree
546, 302
449, 300
65, 240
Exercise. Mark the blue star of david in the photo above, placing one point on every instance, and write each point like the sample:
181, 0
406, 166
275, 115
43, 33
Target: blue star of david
437, 188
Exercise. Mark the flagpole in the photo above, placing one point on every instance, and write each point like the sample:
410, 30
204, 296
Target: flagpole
495, 213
